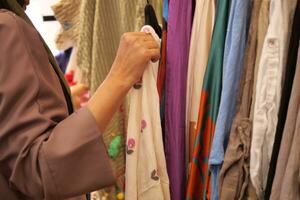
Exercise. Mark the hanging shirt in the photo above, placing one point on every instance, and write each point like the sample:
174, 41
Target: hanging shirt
203, 25
286, 94
268, 90
262, 28
236, 38
178, 43
146, 172
165, 9
198, 181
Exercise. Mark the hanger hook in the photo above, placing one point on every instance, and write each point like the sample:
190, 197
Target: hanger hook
148, 2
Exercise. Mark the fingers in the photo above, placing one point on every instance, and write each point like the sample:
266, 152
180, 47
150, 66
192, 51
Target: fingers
146, 41
151, 45
140, 36
79, 89
154, 54
82, 87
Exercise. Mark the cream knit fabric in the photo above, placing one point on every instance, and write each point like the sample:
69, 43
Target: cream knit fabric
102, 24
67, 14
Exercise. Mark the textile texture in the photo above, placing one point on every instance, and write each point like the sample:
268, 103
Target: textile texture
178, 42
146, 171
286, 181
199, 178
235, 43
268, 91
202, 30
234, 176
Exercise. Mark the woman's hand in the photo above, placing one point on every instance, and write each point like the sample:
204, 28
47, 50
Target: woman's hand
134, 53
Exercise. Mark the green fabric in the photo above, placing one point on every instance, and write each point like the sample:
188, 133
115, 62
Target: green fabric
213, 74
114, 147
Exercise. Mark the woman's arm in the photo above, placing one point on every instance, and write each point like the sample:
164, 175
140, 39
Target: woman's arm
46, 154
135, 51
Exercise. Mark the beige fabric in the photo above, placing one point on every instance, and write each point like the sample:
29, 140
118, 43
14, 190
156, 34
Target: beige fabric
146, 171
263, 24
203, 25
102, 24
268, 90
67, 14
98, 39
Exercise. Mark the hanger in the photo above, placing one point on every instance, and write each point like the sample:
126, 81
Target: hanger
151, 19
48, 18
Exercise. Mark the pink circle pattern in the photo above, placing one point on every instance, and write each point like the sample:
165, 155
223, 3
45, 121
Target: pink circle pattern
143, 124
131, 143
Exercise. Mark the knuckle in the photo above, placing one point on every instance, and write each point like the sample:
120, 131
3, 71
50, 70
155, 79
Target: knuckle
144, 53
126, 37
137, 44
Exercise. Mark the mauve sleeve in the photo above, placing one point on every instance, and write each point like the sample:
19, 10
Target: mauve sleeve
44, 154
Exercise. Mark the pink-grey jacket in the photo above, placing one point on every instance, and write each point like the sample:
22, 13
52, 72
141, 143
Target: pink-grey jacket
44, 153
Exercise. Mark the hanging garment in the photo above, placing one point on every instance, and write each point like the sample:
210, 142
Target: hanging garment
161, 77
151, 19
235, 43
203, 25
263, 24
199, 179
63, 58
286, 182
146, 171
234, 175
268, 91
72, 67
178, 42
67, 14
286, 93
165, 9
98, 39
97, 45
38, 139
102, 25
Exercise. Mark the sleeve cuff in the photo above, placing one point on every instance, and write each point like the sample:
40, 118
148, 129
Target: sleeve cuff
74, 159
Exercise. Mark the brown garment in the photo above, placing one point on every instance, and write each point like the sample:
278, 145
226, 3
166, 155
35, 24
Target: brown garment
262, 28
286, 183
234, 175
44, 153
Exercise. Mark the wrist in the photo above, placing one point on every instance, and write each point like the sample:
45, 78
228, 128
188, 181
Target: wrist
117, 83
